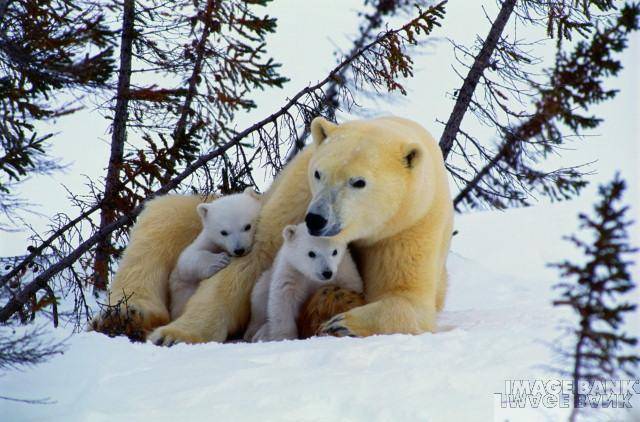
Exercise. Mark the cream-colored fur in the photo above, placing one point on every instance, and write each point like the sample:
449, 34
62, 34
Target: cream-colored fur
280, 291
228, 225
399, 227
195, 263
163, 230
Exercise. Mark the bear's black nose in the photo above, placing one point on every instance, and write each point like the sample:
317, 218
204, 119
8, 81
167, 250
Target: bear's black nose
315, 222
239, 251
327, 274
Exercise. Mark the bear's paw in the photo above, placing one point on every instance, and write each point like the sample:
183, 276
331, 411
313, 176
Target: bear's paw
170, 335
323, 305
120, 321
336, 327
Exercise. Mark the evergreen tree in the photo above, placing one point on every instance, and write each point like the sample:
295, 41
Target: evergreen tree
203, 74
47, 48
534, 117
595, 290
340, 92
210, 146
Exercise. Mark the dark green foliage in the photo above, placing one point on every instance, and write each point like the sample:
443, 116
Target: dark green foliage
207, 58
209, 79
47, 48
344, 86
568, 17
66, 255
595, 290
511, 175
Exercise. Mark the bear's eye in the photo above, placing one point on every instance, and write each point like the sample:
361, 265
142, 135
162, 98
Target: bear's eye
247, 227
335, 252
358, 183
316, 174
224, 233
312, 254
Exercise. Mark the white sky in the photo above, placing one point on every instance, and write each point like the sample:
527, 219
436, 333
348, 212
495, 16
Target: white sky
306, 38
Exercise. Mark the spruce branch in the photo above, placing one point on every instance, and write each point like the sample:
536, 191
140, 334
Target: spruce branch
333, 97
594, 290
385, 55
508, 175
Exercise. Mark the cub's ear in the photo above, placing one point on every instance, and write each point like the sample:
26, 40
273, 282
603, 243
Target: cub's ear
252, 193
202, 209
289, 233
321, 128
412, 155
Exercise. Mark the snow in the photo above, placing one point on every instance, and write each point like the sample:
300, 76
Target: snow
497, 326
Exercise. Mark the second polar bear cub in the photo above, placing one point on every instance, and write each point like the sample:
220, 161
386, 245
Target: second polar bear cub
228, 225
302, 264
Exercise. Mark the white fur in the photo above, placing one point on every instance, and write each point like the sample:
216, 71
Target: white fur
280, 291
211, 251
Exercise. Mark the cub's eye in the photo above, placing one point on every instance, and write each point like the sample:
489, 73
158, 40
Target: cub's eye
358, 183
247, 227
335, 252
312, 254
224, 233
316, 174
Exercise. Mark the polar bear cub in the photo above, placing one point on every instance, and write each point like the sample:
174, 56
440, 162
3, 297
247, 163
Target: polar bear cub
302, 264
228, 225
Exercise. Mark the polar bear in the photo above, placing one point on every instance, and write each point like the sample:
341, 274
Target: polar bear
379, 185
228, 225
303, 264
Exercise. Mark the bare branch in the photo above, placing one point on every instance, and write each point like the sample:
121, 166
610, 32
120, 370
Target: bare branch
465, 94
391, 39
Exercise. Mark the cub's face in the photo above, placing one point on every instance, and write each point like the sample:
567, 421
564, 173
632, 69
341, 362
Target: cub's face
317, 258
229, 222
358, 181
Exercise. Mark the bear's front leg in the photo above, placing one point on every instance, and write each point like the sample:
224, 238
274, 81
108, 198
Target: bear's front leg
262, 334
212, 263
392, 314
401, 296
259, 300
283, 307
138, 295
220, 306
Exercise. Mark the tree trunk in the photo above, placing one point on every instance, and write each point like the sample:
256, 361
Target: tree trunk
118, 139
473, 77
39, 282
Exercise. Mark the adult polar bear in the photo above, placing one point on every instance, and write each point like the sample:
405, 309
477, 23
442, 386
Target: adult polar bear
378, 184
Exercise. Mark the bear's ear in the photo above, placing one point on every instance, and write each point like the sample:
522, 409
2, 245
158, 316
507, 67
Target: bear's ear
412, 155
202, 209
252, 193
321, 128
289, 233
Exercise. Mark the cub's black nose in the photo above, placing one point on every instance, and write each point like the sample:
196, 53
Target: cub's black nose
315, 222
327, 274
239, 251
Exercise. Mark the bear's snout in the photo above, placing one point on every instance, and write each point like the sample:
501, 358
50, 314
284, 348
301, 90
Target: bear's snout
315, 223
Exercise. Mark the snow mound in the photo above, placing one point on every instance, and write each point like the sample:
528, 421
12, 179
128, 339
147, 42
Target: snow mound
496, 326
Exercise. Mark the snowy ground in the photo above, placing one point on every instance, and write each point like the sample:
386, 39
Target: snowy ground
497, 319
497, 322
